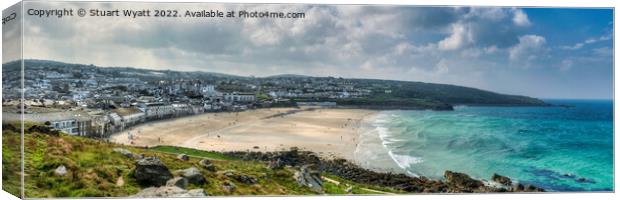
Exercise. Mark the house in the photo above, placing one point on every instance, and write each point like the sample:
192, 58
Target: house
100, 123
71, 122
157, 110
129, 116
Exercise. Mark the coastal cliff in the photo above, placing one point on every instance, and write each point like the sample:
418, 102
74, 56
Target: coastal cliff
60, 165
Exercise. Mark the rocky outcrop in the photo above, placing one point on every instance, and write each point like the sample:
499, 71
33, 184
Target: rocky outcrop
207, 165
205, 162
454, 181
460, 182
151, 171
309, 177
501, 179
229, 186
527, 188
242, 178
193, 176
245, 179
197, 193
183, 157
169, 191
178, 182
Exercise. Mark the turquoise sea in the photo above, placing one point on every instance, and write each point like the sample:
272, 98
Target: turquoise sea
557, 148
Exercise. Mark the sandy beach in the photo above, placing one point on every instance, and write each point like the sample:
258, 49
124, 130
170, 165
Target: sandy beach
328, 132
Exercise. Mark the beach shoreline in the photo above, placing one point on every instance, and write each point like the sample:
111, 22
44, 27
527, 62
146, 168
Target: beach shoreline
329, 132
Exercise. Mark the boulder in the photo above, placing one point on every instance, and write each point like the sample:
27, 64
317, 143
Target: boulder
211, 168
502, 179
152, 171
569, 175
306, 176
183, 157
207, 165
527, 188
178, 182
204, 162
169, 191
229, 186
60, 171
518, 187
245, 179
462, 182
531, 188
197, 193
228, 173
584, 180
193, 176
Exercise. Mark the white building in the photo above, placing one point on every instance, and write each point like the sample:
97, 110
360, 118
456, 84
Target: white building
157, 110
239, 97
70, 122
129, 116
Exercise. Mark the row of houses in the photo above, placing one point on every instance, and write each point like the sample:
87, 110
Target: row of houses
73, 123
99, 123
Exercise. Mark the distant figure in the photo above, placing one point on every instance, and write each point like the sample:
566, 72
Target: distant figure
159, 139
218, 136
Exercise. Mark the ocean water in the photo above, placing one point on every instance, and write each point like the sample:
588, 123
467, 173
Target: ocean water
557, 148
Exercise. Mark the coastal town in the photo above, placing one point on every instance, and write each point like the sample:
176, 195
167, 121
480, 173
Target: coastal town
93, 101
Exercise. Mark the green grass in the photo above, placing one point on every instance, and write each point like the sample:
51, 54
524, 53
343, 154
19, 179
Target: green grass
356, 187
191, 152
11, 160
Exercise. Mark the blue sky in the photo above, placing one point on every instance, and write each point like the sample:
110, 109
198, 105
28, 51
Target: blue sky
539, 52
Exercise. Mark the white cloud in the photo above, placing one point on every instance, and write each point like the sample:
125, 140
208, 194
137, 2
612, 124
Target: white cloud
579, 45
603, 52
494, 14
529, 48
460, 36
520, 18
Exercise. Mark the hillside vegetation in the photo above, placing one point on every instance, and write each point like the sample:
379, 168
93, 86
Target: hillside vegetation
94, 169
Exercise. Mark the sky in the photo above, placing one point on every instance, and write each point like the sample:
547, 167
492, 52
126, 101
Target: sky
538, 52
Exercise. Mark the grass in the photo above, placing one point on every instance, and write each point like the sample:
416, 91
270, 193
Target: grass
94, 169
11, 160
191, 152
356, 188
